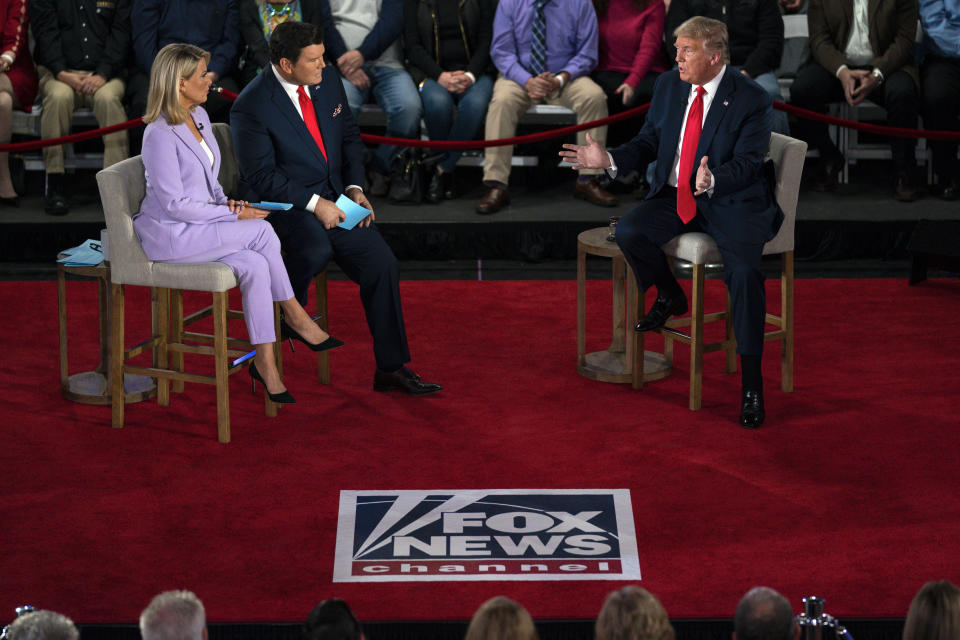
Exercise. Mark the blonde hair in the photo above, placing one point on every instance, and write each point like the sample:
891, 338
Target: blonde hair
633, 613
712, 33
173, 63
501, 618
934, 613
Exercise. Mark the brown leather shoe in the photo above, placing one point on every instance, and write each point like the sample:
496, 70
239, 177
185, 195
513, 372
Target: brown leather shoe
493, 200
593, 193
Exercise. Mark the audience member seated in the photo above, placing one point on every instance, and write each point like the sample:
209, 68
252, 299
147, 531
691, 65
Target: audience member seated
544, 51
42, 625
632, 613
764, 614
186, 217
332, 620
940, 81
447, 46
756, 40
258, 19
18, 84
81, 50
174, 615
861, 49
212, 25
363, 40
631, 58
934, 613
501, 618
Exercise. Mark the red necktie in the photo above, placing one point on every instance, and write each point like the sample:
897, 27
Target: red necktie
310, 119
686, 205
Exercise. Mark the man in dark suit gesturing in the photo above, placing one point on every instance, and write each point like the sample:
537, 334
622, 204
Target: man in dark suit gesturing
708, 128
297, 142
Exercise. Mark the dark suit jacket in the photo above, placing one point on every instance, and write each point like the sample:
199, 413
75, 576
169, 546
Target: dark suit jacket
279, 161
892, 26
213, 25
735, 138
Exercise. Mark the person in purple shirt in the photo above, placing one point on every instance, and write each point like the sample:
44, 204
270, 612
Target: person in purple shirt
557, 73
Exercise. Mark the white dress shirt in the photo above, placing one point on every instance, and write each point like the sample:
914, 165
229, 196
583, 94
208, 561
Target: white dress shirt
858, 50
711, 88
291, 90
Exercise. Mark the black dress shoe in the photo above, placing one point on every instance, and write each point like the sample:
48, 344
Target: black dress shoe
751, 411
13, 201
403, 379
435, 188
291, 334
905, 189
663, 307
948, 189
828, 173
284, 397
449, 185
56, 205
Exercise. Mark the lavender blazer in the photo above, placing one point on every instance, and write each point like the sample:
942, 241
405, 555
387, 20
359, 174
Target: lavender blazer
183, 196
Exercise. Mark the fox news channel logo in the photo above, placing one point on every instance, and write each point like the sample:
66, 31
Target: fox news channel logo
503, 534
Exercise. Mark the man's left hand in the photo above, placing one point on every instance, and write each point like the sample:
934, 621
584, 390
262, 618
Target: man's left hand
866, 82
92, 83
704, 177
350, 62
361, 199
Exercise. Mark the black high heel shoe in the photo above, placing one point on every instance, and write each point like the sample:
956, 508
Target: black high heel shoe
290, 334
283, 397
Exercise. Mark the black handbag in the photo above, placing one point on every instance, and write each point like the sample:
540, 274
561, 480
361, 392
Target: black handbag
407, 177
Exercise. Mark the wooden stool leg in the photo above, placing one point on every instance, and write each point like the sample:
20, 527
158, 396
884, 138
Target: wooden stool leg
116, 355
323, 358
220, 363
176, 335
62, 324
581, 307
786, 303
618, 279
160, 299
637, 341
696, 337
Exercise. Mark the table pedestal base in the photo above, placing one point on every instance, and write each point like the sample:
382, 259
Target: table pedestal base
613, 366
91, 387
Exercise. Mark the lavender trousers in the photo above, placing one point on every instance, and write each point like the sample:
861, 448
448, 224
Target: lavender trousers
251, 249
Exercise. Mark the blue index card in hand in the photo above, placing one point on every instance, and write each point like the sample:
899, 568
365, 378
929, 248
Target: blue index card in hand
354, 212
272, 206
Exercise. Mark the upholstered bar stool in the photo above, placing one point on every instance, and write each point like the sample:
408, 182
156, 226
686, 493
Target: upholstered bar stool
699, 250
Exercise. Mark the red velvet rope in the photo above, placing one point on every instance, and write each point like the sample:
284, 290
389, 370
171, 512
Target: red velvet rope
896, 132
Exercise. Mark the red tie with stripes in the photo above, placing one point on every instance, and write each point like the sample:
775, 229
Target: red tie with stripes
310, 119
686, 205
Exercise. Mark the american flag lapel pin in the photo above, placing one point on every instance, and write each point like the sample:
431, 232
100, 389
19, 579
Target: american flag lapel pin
726, 103
336, 111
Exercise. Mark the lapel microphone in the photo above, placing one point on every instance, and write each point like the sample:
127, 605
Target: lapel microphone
199, 126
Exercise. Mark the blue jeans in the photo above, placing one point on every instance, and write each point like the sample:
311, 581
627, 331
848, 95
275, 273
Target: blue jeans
768, 81
455, 116
394, 91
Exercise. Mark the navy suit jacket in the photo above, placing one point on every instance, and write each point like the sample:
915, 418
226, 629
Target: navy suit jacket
735, 138
279, 160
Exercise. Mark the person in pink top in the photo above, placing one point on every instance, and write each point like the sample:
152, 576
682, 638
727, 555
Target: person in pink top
631, 57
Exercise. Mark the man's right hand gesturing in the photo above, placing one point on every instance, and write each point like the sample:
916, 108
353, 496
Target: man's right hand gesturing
591, 156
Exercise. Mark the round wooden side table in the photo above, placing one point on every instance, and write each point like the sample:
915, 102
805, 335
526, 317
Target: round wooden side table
93, 387
615, 363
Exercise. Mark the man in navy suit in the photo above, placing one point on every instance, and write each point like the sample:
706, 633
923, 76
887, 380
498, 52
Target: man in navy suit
717, 186
298, 142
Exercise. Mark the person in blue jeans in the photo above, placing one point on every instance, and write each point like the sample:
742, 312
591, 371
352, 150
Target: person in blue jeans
447, 45
363, 41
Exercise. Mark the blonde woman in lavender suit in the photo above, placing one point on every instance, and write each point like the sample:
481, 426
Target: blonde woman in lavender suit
186, 217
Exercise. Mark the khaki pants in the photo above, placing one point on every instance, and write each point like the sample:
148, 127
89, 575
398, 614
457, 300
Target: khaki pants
59, 103
510, 101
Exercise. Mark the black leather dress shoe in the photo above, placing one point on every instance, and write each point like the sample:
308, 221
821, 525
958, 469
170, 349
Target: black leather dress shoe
56, 204
751, 411
435, 188
663, 307
403, 379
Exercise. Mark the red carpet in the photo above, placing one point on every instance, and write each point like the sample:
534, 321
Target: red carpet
849, 492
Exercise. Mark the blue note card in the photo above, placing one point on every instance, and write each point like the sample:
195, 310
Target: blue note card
88, 254
354, 212
272, 206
